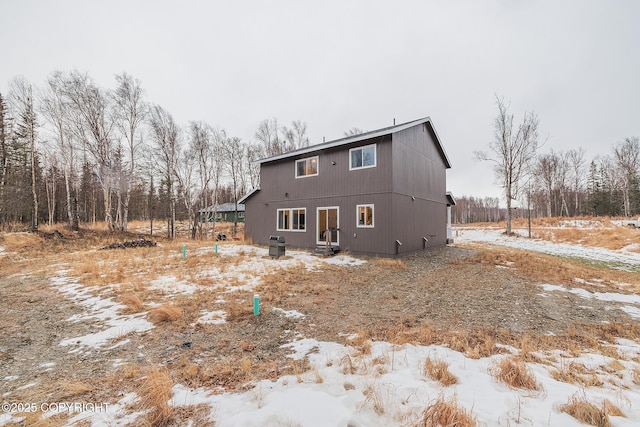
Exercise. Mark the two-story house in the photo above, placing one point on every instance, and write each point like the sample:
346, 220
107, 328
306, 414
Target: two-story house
378, 193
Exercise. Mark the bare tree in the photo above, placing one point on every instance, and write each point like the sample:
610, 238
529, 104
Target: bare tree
4, 150
166, 151
627, 158
511, 151
130, 111
200, 146
546, 171
185, 175
268, 134
253, 154
55, 109
353, 132
233, 155
577, 162
218, 165
295, 136
93, 125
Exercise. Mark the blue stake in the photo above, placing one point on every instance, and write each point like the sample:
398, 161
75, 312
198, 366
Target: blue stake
216, 248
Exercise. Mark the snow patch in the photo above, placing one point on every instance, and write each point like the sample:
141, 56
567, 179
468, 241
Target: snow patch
104, 310
217, 317
291, 314
621, 259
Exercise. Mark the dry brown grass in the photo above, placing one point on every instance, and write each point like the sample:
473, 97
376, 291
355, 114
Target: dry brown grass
239, 305
609, 238
374, 396
611, 409
155, 392
586, 412
164, 313
576, 373
551, 269
438, 370
132, 302
513, 372
635, 376
390, 263
446, 412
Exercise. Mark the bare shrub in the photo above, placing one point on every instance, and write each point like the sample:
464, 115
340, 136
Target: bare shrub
438, 370
164, 313
513, 372
446, 412
585, 412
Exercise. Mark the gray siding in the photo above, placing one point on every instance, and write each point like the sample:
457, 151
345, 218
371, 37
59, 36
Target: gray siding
407, 188
280, 184
261, 223
419, 190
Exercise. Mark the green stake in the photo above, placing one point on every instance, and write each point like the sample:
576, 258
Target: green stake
184, 251
256, 304
216, 248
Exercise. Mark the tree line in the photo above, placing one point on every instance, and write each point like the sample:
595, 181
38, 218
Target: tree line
567, 183
72, 151
558, 183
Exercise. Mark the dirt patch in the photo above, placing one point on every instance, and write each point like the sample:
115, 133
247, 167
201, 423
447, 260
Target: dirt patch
140, 243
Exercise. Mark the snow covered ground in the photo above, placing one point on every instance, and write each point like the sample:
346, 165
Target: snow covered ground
621, 259
386, 386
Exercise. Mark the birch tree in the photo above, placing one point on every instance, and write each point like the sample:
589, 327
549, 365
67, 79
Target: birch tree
93, 125
233, 155
627, 159
55, 109
130, 111
165, 149
4, 151
576, 163
511, 151
268, 135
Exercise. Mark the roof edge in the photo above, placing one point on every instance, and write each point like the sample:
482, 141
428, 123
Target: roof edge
248, 195
357, 138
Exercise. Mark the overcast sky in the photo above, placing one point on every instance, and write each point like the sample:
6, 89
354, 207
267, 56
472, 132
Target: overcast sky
343, 64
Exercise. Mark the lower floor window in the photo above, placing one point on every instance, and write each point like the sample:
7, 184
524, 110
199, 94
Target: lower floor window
364, 216
292, 219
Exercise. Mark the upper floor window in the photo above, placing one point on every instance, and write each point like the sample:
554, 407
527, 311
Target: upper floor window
363, 157
307, 167
364, 216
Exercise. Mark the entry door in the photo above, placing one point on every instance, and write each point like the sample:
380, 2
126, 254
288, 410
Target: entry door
327, 225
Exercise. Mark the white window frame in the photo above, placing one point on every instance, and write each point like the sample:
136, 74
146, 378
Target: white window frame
240, 214
375, 157
373, 216
307, 160
290, 213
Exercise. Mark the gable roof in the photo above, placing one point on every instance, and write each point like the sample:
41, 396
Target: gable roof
224, 207
362, 137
